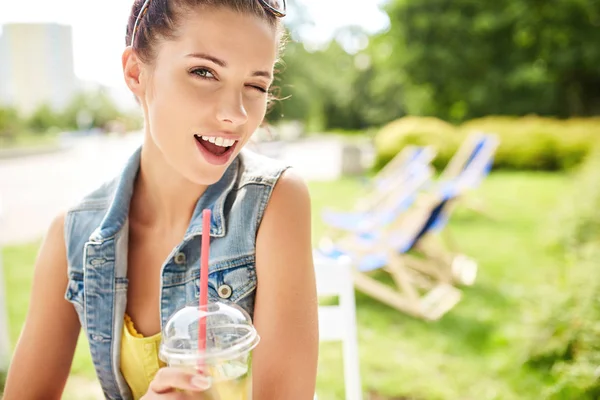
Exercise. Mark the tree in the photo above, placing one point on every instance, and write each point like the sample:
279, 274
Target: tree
90, 109
324, 87
468, 58
43, 119
10, 123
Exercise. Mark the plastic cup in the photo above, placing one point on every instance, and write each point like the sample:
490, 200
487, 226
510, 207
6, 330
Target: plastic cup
227, 359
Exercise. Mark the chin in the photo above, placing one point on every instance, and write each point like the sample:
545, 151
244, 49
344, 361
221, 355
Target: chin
206, 179
205, 174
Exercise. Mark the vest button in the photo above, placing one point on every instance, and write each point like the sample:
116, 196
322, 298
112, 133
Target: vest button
97, 338
225, 291
180, 258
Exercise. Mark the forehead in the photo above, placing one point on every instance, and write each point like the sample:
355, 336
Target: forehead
239, 39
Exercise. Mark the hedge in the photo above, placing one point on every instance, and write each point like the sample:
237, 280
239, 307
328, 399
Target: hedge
526, 143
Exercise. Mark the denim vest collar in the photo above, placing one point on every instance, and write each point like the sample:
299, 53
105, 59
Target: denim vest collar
213, 198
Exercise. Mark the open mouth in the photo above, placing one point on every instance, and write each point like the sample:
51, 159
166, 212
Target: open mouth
215, 145
216, 150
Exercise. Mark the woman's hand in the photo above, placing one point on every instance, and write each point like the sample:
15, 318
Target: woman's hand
176, 384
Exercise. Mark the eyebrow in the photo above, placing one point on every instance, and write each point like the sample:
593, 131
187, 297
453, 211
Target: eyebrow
223, 64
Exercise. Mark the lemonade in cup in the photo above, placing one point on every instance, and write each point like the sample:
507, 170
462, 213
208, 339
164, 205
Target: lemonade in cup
226, 356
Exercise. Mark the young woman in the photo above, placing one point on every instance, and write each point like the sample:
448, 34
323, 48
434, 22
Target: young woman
125, 258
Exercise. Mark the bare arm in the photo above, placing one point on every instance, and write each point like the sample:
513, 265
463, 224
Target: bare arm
42, 360
285, 362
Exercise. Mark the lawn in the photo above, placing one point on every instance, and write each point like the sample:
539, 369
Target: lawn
26, 140
477, 350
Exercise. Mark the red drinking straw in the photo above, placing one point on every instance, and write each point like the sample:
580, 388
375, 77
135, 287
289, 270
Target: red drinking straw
205, 248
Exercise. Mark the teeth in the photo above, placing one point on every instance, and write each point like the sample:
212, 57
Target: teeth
219, 141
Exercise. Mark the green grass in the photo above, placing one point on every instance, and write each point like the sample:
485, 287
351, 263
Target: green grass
27, 140
18, 270
476, 351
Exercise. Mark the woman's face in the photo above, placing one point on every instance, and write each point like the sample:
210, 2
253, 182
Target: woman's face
206, 92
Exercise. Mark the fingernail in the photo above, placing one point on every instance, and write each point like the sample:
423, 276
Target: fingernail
200, 382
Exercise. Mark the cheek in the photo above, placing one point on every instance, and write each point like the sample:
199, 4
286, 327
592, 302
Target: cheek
256, 107
168, 110
179, 103
177, 93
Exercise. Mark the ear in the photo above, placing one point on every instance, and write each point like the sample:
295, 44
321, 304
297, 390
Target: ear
132, 72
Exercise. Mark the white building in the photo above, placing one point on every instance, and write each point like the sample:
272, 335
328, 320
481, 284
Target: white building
36, 65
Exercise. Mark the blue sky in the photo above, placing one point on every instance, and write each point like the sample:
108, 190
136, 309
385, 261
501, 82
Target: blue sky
98, 27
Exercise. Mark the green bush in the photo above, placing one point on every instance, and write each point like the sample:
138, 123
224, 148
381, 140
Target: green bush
86, 110
43, 119
526, 143
10, 124
419, 131
568, 341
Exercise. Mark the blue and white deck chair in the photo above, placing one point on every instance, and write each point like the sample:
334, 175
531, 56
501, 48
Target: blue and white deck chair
421, 287
464, 173
428, 262
393, 191
390, 177
397, 199
470, 165
476, 153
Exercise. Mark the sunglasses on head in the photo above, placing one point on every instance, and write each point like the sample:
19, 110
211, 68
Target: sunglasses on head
276, 7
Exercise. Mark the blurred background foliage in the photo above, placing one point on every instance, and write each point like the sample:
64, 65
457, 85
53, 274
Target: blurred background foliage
527, 70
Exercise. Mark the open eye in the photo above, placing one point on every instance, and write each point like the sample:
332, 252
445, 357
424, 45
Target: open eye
203, 73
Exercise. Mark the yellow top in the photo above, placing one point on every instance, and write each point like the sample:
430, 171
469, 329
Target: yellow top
139, 358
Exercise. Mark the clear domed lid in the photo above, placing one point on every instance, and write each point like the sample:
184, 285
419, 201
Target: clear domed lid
229, 333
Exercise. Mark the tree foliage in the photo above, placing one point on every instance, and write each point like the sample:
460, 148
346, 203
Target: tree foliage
452, 59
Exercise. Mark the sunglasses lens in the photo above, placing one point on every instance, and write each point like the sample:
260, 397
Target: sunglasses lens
277, 5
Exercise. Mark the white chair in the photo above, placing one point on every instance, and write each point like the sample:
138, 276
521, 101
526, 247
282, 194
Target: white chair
338, 322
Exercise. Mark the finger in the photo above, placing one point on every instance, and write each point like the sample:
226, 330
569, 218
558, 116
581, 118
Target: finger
167, 379
166, 396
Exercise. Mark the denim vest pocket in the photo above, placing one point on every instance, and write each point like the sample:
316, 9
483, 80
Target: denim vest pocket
231, 280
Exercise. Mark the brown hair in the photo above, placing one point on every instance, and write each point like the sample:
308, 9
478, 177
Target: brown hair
161, 18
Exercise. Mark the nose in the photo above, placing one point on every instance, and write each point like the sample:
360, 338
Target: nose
230, 108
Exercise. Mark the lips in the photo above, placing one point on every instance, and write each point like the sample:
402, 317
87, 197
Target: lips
216, 150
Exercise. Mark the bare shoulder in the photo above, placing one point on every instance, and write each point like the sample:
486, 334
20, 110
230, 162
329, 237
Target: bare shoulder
290, 195
287, 219
56, 231
285, 231
54, 241
50, 270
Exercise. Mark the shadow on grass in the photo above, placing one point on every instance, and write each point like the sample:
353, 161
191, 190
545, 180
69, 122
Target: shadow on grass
487, 295
465, 326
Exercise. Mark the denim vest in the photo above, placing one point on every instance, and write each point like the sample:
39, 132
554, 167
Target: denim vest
96, 232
